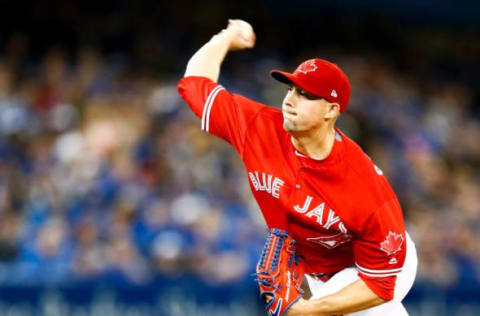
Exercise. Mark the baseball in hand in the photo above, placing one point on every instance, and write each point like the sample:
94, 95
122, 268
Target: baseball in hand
245, 33
246, 30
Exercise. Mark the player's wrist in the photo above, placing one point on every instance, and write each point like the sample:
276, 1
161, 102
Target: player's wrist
231, 36
225, 37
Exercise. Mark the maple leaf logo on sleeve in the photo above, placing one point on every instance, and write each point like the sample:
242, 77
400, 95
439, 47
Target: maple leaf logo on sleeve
392, 244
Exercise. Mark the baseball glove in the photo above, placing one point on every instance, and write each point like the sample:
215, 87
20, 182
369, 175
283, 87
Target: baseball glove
279, 273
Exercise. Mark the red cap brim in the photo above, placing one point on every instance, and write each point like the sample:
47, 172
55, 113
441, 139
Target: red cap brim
283, 77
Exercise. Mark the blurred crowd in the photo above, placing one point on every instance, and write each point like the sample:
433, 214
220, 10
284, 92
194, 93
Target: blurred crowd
105, 175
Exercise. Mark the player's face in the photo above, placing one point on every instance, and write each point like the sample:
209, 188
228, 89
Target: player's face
302, 111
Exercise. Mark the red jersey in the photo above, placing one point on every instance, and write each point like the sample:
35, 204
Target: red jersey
341, 210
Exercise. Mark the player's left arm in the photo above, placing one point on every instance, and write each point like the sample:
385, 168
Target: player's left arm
355, 297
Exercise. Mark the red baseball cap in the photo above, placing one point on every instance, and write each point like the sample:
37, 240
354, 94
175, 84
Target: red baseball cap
320, 78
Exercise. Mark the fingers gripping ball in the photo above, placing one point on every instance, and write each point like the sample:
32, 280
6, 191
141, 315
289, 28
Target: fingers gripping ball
244, 35
246, 30
280, 273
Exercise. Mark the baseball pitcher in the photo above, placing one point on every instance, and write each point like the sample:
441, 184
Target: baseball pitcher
335, 223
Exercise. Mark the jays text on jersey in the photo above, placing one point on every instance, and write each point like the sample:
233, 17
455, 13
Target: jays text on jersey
341, 210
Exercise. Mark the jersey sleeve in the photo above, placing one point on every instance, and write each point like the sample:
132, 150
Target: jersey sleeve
380, 249
223, 114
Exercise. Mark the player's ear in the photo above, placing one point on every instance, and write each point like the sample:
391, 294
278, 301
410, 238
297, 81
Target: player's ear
333, 110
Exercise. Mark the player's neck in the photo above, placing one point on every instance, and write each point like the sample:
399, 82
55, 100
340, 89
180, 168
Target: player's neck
316, 144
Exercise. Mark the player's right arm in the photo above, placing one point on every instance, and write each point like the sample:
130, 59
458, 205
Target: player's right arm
223, 114
206, 62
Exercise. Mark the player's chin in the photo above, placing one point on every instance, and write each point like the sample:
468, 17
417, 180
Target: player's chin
289, 126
